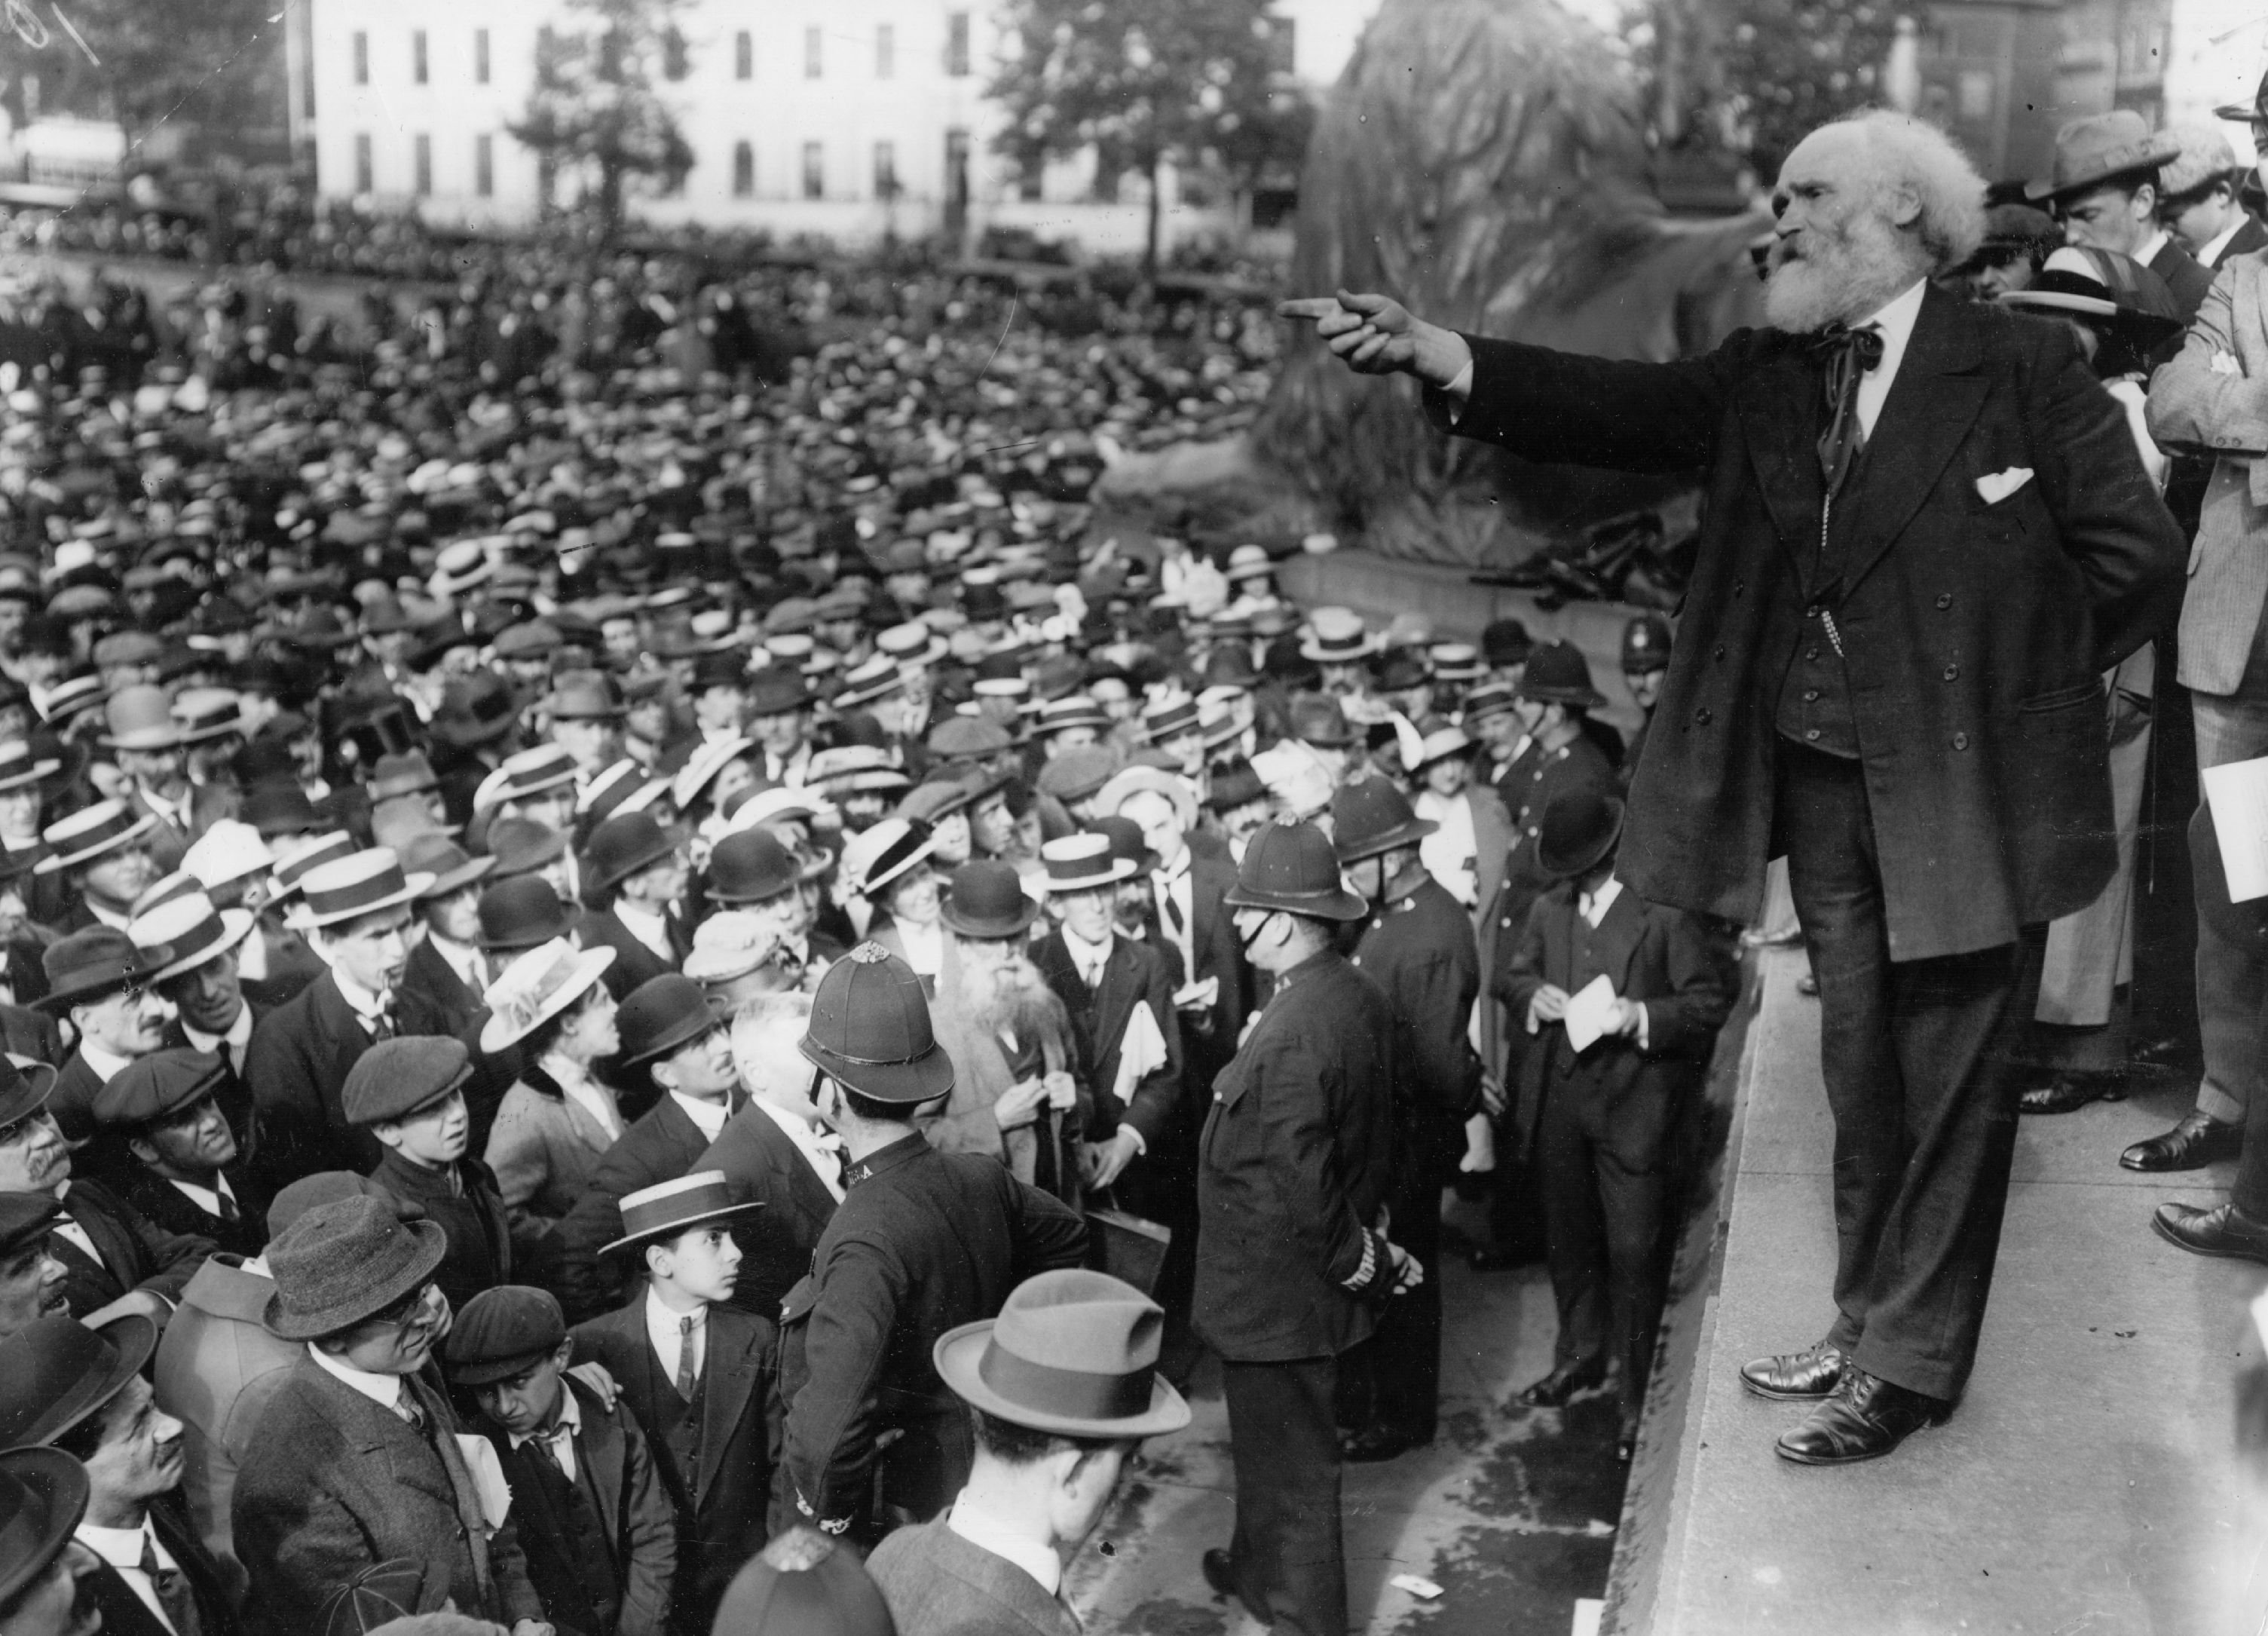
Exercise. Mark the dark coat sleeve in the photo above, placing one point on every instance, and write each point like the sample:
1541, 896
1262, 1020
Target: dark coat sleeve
1585, 412
1051, 1236
828, 1435
1684, 1022
648, 1536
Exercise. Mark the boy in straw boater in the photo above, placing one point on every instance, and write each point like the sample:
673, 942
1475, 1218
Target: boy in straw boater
698, 1376
1060, 1388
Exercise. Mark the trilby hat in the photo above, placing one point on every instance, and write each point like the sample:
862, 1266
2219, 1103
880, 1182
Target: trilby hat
1073, 1353
343, 1261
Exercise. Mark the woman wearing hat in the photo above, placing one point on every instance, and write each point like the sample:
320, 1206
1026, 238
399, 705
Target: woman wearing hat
559, 1118
886, 873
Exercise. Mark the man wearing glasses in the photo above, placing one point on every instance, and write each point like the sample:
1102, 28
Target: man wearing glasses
358, 1461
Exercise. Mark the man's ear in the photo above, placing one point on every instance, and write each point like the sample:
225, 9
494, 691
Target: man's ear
1905, 207
388, 1131
139, 1146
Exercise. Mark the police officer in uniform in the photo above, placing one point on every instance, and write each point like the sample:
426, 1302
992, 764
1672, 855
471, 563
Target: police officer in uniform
923, 1242
1645, 660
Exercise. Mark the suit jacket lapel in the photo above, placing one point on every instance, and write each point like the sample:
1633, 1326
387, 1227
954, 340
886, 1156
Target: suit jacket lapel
600, 1445
728, 1374
1615, 938
1114, 1001
1780, 406
110, 1238
1932, 403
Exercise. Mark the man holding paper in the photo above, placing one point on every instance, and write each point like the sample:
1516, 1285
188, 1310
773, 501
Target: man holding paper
1624, 1000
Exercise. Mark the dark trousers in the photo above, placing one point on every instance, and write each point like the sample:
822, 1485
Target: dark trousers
1290, 1565
1917, 1057
1393, 1380
1604, 1180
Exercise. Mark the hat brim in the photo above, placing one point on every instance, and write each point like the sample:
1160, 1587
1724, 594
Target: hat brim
600, 880
304, 918
463, 875
970, 925
959, 1355
496, 1033
1402, 835
2144, 329
135, 1338
679, 1034
1589, 698
1338, 904
902, 1084
1370, 647
1582, 861
2151, 158
236, 925
1121, 869
724, 1212
33, 774
432, 1244
134, 831
63, 996
488, 1371
872, 884
61, 1485
144, 739
809, 868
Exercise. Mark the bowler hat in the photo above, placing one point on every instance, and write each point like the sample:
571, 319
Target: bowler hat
986, 899
2103, 147
396, 1078
190, 929
98, 960
346, 1260
1579, 828
1506, 642
1557, 674
804, 1583
778, 691
750, 865
503, 1331
1646, 644
1371, 816
152, 1089
87, 834
585, 695
56, 1371
721, 669
871, 1032
43, 1494
141, 719
1074, 1352
1234, 785
26, 1219
622, 846
668, 1208
536, 987
661, 1015
1291, 867
522, 912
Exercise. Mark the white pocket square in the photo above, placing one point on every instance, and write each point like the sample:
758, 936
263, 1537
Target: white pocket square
1999, 485
2226, 363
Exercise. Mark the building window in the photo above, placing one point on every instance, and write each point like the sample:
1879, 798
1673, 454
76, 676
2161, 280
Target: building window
676, 61
744, 171
744, 55
361, 57
811, 49
1030, 181
886, 51
885, 170
365, 182
420, 149
956, 44
484, 164
480, 56
814, 170
417, 56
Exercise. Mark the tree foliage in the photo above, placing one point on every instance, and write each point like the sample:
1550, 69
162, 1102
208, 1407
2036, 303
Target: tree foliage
597, 103
152, 61
1146, 82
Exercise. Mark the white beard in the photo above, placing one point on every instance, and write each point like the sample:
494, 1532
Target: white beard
1840, 279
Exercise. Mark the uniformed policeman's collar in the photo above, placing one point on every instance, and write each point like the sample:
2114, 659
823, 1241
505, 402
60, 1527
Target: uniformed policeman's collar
889, 1158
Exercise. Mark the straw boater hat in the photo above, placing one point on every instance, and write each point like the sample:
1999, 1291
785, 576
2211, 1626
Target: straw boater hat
191, 929
1336, 636
229, 850
1158, 781
294, 863
87, 834
361, 883
1073, 1353
18, 767
1078, 863
536, 987
668, 1208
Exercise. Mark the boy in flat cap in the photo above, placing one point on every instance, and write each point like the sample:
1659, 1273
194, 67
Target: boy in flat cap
358, 1461
698, 1374
409, 1094
596, 1522
165, 1144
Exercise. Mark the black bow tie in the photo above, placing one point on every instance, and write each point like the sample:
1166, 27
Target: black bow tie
1849, 356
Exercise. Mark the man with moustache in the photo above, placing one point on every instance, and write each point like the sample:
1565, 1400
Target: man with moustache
1928, 534
30, 1278
104, 985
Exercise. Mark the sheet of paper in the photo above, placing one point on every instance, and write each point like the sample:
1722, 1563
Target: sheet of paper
2238, 795
1589, 1010
1141, 1052
1202, 993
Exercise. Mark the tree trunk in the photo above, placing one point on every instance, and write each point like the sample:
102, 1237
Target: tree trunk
610, 199
1157, 211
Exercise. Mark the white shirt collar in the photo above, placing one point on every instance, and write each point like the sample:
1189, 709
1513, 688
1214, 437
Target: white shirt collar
570, 1416
110, 918
924, 946
1593, 906
817, 1147
122, 1547
206, 1199
2219, 242
238, 1037
2150, 246
664, 1333
647, 927
987, 1532
364, 1003
382, 1389
1088, 957
105, 1063
708, 1118
461, 958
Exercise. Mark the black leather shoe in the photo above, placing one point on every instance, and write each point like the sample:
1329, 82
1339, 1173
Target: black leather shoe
2198, 1141
2226, 1232
2068, 1093
1555, 1388
1865, 1418
1375, 1443
1814, 1372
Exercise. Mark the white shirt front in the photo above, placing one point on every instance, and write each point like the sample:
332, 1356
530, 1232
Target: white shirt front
987, 1532
1895, 321
562, 1448
122, 1549
1090, 958
206, 1199
664, 1333
69, 1227
385, 1390
708, 1118
1174, 885
368, 1006
1593, 906
821, 1150
2147, 252
649, 928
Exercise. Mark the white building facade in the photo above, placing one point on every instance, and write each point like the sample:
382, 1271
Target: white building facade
849, 119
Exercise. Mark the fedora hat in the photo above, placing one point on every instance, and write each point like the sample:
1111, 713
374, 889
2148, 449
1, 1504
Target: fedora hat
345, 1261
98, 960
750, 865
585, 695
478, 709
536, 987
1371, 816
18, 767
1557, 674
408, 773
2100, 148
140, 719
987, 899
622, 846
661, 1015
26, 1084
668, 1208
1578, 828
1074, 1352
361, 883
522, 845
1291, 867
56, 1371
869, 1030
43, 1494
880, 853
439, 855
87, 834
520, 913
1081, 862
191, 929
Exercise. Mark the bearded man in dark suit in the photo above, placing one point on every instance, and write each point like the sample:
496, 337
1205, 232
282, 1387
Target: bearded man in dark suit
1928, 534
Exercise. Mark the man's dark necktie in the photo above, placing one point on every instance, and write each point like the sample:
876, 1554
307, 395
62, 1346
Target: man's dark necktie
229, 1213
688, 1378
173, 1587
1849, 356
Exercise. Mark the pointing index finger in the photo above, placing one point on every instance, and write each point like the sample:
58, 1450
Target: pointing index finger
1310, 307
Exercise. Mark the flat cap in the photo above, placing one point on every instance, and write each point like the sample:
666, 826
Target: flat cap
1077, 774
394, 1078
501, 1331
151, 1089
